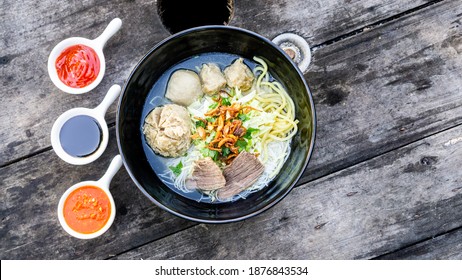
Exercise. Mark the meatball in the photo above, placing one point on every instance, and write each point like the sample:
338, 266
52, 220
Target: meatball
184, 87
212, 79
168, 130
239, 75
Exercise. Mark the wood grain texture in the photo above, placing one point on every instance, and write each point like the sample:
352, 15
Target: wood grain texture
29, 227
445, 247
29, 102
374, 92
387, 87
361, 212
315, 20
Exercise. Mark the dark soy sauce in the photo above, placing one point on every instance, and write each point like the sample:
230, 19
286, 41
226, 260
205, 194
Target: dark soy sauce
80, 136
156, 98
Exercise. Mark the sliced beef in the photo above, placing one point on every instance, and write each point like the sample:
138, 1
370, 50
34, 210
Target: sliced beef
240, 174
206, 176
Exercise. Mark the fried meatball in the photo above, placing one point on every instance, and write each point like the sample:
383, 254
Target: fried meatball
168, 130
212, 79
239, 75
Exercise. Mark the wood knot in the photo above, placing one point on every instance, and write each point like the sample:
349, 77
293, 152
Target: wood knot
320, 226
428, 160
351, 193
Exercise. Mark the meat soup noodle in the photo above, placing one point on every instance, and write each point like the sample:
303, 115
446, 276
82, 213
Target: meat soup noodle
240, 135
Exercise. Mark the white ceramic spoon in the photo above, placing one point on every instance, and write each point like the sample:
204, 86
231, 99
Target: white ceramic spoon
97, 45
102, 184
98, 114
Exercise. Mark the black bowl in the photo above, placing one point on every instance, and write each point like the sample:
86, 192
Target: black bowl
183, 45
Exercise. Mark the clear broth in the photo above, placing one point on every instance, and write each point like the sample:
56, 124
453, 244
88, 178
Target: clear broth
156, 98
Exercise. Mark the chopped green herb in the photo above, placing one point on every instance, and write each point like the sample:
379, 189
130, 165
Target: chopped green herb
205, 152
249, 145
231, 92
209, 153
213, 155
225, 151
226, 102
242, 144
200, 124
248, 134
213, 106
177, 169
243, 117
211, 119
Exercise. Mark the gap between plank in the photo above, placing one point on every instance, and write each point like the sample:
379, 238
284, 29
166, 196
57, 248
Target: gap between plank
321, 45
315, 47
373, 25
38, 152
33, 154
146, 243
384, 153
415, 243
318, 178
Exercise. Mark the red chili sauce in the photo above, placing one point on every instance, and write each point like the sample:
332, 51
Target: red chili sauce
78, 66
87, 209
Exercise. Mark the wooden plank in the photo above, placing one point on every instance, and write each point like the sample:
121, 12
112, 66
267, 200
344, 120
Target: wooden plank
29, 101
29, 227
315, 20
387, 87
361, 212
445, 247
426, 111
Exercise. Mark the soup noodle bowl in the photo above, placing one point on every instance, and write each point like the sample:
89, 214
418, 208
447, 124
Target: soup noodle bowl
191, 43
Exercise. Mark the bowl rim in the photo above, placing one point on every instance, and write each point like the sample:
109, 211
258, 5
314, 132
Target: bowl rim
265, 207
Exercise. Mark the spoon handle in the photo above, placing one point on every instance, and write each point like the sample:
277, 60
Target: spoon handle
110, 97
110, 30
115, 165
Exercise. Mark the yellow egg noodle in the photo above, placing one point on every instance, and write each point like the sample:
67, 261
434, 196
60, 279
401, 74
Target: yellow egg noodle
273, 118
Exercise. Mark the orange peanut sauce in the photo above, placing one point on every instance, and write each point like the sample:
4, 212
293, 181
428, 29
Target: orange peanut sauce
87, 209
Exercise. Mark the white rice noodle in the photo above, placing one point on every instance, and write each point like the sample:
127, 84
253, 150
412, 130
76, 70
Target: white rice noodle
274, 119
188, 164
277, 155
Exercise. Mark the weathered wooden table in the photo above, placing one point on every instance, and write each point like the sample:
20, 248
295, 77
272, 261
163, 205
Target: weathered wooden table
384, 182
